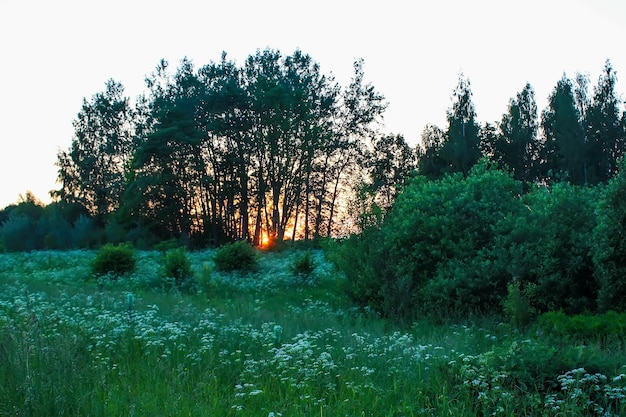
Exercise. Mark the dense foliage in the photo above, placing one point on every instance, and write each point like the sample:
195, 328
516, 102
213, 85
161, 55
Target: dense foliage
226, 152
522, 216
114, 260
133, 349
177, 270
461, 245
236, 256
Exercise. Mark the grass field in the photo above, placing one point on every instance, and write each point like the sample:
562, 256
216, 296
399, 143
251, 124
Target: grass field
270, 344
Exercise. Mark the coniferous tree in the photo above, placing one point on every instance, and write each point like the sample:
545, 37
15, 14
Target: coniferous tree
517, 145
563, 151
461, 149
604, 133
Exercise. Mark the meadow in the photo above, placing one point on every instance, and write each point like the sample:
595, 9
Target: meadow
271, 343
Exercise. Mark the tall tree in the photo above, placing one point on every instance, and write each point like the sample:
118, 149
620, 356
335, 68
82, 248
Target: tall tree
461, 149
428, 151
517, 146
458, 149
391, 164
92, 172
604, 133
292, 103
163, 181
356, 119
563, 147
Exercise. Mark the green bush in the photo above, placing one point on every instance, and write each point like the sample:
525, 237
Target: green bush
584, 327
115, 260
548, 245
177, 268
303, 266
609, 248
439, 238
236, 256
167, 245
517, 305
360, 258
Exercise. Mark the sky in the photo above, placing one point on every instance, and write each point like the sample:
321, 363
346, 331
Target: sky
55, 54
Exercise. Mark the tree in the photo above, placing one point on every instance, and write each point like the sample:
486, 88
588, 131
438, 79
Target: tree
461, 148
228, 152
433, 251
292, 106
163, 179
604, 133
546, 247
517, 144
429, 162
392, 161
92, 171
563, 151
354, 121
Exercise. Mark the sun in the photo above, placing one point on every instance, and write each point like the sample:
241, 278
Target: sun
265, 241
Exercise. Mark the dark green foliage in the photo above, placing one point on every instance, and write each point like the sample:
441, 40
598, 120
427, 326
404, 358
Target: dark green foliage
461, 149
303, 266
516, 146
167, 245
460, 245
177, 267
434, 250
458, 148
609, 246
92, 171
564, 148
17, 234
585, 328
517, 305
391, 164
605, 135
115, 260
361, 259
236, 256
439, 239
548, 245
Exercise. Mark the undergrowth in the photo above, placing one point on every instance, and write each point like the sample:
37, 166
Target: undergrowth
71, 347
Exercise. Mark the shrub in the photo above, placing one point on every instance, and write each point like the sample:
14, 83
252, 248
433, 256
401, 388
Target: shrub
584, 327
115, 260
303, 266
438, 242
517, 306
609, 248
17, 234
550, 246
236, 256
177, 268
360, 258
167, 245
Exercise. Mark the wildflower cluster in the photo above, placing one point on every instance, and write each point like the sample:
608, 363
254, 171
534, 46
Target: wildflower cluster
125, 349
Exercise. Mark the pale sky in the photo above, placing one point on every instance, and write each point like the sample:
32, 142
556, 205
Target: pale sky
55, 53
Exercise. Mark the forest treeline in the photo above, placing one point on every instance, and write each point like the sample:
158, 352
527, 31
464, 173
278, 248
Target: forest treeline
275, 149
264, 150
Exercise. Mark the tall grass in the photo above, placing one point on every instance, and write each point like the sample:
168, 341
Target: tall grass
73, 346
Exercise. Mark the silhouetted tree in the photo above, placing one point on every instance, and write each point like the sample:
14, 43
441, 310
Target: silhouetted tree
92, 171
